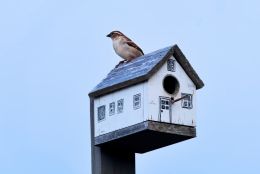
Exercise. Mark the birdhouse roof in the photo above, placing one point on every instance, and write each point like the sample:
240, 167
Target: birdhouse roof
141, 69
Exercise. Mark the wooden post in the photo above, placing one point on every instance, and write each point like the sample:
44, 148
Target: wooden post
109, 160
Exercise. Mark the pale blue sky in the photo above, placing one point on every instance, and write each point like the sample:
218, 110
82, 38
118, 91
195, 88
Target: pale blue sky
53, 52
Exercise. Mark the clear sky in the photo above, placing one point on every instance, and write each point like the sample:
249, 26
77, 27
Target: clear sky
53, 52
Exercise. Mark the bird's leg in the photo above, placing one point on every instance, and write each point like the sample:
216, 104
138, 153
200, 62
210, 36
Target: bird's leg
119, 63
122, 61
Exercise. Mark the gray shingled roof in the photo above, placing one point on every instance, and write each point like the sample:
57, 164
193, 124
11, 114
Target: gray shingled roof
141, 69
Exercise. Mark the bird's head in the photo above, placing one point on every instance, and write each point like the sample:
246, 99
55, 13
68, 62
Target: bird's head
115, 34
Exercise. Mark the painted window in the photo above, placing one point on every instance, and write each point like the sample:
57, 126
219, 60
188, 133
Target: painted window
187, 101
120, 105
101, 112
137, 101
112, 108
165, 104
171, 65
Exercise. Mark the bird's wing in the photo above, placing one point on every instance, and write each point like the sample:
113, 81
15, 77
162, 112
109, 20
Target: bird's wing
132, 44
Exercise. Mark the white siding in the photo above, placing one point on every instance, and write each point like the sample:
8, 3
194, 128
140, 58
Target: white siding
150, 92
155, 89
128, 117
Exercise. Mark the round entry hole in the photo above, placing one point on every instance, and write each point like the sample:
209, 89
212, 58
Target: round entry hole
171, 84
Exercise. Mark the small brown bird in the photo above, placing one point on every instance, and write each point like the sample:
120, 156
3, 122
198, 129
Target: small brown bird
124, 47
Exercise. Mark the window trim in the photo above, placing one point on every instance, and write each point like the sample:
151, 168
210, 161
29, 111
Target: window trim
139, 97
121, 100
189, 101
98, 110
169, 68
114, 109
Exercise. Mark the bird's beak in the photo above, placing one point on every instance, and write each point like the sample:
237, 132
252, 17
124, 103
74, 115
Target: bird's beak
109, 35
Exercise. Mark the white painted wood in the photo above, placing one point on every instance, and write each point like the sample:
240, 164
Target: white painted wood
128, 117
155, 89
150, 109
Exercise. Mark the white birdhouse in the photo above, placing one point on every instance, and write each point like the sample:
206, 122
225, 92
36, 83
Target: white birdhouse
147, 103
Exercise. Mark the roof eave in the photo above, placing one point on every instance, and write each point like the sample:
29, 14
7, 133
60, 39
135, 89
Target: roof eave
185, 64
118, 86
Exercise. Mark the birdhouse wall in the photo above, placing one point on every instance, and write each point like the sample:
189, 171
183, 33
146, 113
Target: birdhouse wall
119, 109
181, 112
144, 101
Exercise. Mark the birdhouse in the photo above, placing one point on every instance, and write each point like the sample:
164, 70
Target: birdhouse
147, 103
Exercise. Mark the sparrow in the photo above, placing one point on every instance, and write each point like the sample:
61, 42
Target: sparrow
125, 47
